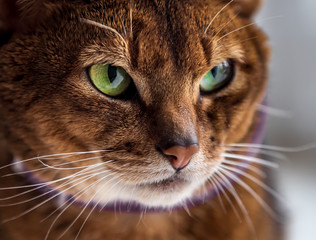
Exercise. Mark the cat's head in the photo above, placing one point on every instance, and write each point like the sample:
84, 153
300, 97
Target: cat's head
153, 88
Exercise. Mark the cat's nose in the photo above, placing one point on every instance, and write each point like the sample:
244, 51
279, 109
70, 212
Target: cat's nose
179, 156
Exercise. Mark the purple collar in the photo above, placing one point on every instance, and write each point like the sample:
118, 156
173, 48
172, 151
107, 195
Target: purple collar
133, 207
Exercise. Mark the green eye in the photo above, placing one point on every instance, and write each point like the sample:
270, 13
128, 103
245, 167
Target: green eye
218, 77
110, 80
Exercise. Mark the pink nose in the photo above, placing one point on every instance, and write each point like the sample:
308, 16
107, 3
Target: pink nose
179, 156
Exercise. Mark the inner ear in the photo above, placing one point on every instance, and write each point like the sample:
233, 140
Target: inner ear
246, 8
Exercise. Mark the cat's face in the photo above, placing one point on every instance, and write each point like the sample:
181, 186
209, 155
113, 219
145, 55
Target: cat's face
49, 104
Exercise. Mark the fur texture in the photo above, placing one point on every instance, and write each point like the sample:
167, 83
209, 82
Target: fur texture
48, 106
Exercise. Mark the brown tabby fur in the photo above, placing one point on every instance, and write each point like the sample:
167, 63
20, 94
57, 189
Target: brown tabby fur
48, 106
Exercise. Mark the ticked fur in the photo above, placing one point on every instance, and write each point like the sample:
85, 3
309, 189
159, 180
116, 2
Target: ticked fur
48, 106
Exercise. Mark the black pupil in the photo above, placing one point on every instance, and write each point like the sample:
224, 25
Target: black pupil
112, 73
214, 71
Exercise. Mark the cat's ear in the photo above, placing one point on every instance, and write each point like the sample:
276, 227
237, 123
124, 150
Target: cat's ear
246, 8
22, 15
19, 15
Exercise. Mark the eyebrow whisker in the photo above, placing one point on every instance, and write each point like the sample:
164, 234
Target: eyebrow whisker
91, 22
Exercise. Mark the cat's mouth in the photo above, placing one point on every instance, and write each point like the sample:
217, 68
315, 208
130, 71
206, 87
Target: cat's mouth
168, 184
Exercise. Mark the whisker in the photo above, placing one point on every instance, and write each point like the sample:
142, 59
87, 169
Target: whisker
93, 208
245, 26
222, 9
85, 207
100, 25
251, 159
122, 23
48, 192
45, 201
248, 39
213, 182
251, 191
302, 148
231, 19
274, 111
73, 198
236, 30
246, 165
227, 198
261, 151
36, 206
46, 184
49, 182
55, 167
186, 209
51, 157
241, 205
255, 180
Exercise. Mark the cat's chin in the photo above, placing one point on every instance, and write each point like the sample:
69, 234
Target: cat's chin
167, 194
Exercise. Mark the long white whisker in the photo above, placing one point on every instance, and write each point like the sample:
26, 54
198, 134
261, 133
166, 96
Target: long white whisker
231, 19
73, 199
213, 181
52, 157
222, 9
85, 207
47, 200
227, 197
55, 167
251, 191
45, 184
255, 180
47, 166
95, 205
245, 26
245, 165
242, 207
247, 39
46, 193
274, 111
100, 25
51, 182
251, 159
302, 148
257, 150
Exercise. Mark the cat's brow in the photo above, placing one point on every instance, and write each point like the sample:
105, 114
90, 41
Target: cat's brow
97, 24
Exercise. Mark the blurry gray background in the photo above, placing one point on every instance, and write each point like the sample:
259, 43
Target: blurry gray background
291, 27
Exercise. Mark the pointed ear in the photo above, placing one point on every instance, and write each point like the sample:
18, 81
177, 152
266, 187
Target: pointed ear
247, 8
20, 15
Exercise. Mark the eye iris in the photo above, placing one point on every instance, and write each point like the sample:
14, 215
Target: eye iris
110, 80
217, 77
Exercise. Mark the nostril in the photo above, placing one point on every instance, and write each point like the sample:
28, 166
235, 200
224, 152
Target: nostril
180, 156
171, 158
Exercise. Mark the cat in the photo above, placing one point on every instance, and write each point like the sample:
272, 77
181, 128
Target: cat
120, 120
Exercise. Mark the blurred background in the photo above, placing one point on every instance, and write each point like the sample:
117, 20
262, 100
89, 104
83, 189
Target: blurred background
291, 27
